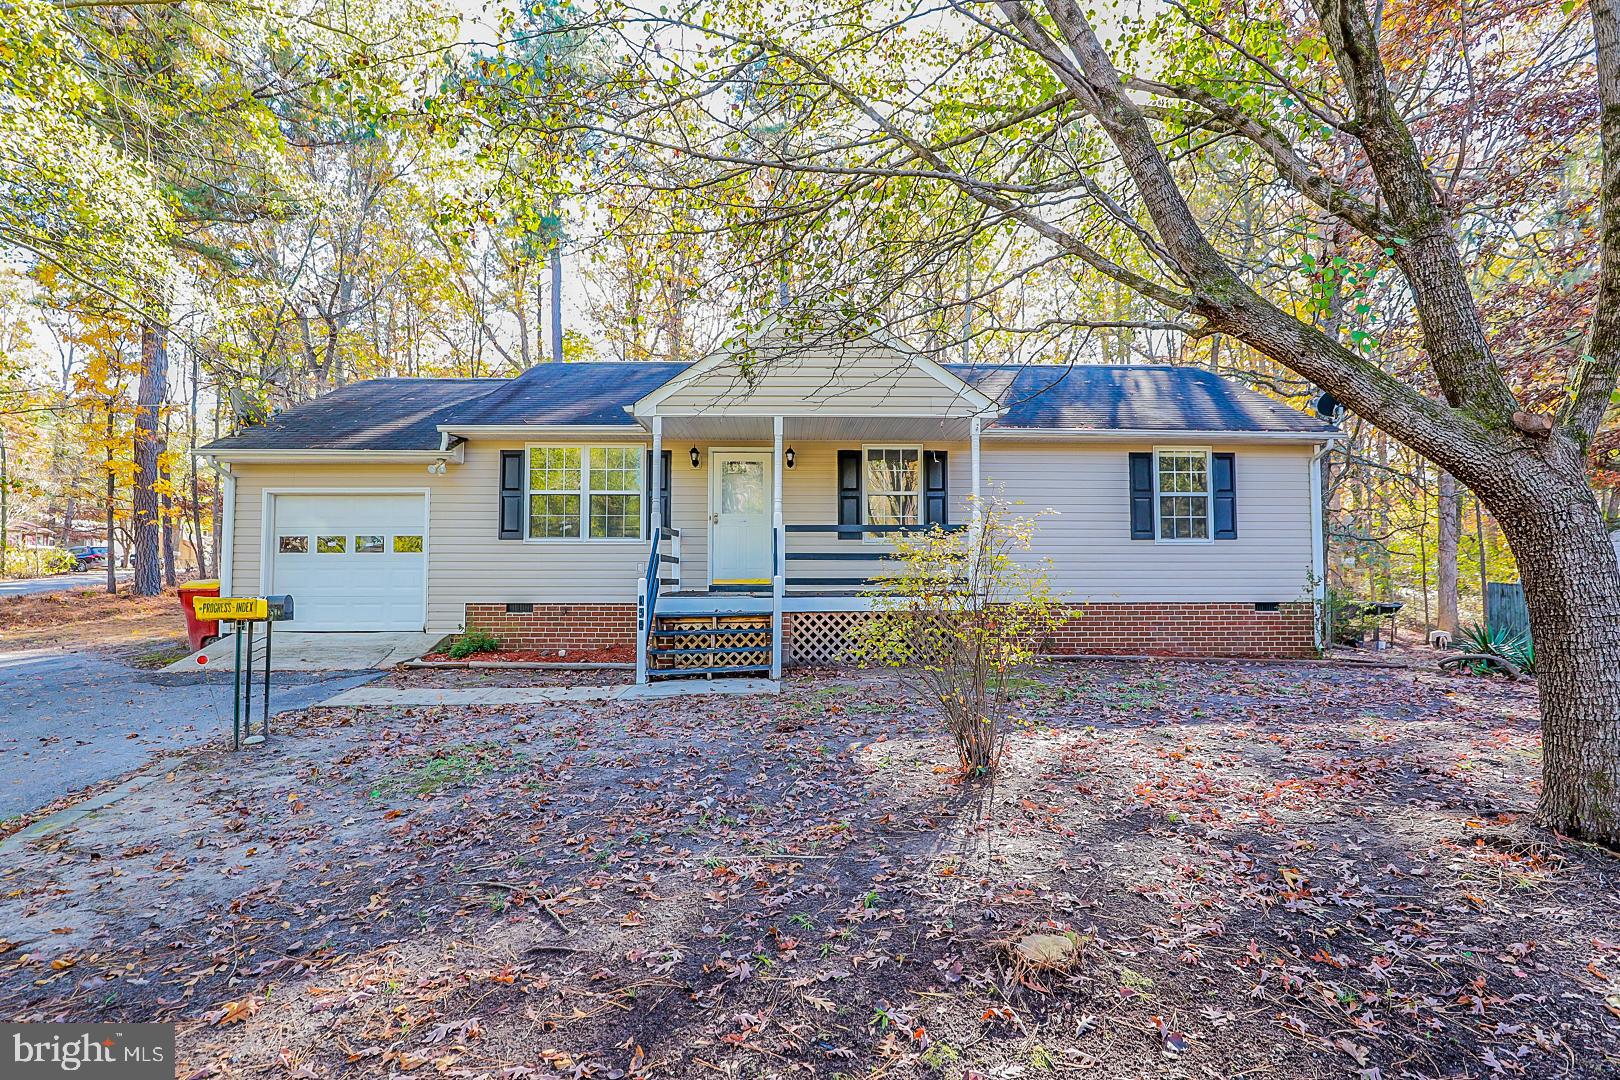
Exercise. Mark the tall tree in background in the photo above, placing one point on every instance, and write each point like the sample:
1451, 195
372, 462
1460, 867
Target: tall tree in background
1360, 126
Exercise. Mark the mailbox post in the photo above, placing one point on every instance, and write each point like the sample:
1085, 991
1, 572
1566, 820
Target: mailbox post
245, 612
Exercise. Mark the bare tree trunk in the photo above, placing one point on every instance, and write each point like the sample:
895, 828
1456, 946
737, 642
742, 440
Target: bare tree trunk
144, 524
112, 496
167, 532
196, 491
1572, 589
216, 523
5, 503
556, 303
1446, 553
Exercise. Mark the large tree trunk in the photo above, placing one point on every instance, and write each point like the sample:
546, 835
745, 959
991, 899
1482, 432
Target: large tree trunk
154, 388
1446, 554
112, 495
1572, 588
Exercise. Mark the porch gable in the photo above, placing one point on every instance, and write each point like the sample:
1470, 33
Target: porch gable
808, 372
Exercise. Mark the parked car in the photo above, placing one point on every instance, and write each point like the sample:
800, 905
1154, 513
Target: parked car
89, 557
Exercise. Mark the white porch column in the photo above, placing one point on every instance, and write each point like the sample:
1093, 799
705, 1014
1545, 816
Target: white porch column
976, 519
973, 437
778, 547
647, 590
656, 489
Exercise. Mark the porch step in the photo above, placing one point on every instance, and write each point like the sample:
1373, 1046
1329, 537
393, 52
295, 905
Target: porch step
731, 669
709, 644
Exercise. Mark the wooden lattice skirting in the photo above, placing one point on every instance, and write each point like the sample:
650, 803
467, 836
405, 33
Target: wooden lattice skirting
822, 637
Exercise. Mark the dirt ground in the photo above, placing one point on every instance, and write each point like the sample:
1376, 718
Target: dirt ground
134, 626
1259, 870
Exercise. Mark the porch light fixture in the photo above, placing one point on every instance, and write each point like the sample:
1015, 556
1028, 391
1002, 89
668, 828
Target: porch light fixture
695, 457
787, 458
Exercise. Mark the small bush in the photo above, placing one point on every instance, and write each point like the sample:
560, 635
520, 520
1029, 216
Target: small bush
37, 562
473, 641
1516, 649
963, 614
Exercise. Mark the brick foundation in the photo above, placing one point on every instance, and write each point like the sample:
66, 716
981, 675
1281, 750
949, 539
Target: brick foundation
1188, 630
1102, 629
553, 627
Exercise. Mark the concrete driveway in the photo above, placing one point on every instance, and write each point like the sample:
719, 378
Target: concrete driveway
309, 650
69, 720
57, 583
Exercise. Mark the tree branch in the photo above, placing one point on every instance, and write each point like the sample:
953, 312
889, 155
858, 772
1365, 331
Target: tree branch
1600, 366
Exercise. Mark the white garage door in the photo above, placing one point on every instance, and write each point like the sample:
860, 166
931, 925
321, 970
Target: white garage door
350, 561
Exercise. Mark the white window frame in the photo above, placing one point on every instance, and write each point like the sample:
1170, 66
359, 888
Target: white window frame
1208, 493
585, 493
866, 493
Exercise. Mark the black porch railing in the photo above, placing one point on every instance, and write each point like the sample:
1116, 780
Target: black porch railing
848, 532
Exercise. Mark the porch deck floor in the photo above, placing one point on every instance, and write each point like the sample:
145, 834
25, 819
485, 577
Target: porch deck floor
764, 593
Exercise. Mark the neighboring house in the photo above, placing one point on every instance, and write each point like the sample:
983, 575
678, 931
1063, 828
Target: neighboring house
1187, 507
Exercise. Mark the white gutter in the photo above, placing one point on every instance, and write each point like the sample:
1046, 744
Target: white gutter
1318, 547
1159, 435
529, 431
227, 542
315, 456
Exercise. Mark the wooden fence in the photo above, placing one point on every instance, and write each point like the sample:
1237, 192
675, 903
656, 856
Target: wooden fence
1504, 607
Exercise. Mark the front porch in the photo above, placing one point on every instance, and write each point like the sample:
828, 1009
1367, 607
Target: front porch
778, 470
754, 533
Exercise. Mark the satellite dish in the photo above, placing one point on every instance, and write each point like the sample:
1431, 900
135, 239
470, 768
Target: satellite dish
1329, 407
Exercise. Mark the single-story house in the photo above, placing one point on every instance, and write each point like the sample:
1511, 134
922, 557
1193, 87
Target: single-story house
730, 513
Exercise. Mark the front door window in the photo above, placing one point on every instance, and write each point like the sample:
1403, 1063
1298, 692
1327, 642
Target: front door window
741, 523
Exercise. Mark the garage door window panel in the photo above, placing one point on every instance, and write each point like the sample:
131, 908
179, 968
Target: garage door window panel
407, 545
331, 545
368, 545
293, 545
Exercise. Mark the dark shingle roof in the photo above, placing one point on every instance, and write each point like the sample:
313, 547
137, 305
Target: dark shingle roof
570, 394
380, 414
404, 414
1133, 397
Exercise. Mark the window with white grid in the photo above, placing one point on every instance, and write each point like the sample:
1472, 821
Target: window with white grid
1183, 494
580, 492
893, 485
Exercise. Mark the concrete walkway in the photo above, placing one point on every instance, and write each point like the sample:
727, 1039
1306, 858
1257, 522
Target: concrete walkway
543, 695
309, 650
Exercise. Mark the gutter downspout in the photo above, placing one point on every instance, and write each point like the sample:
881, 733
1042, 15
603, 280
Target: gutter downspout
227, 542
1322, 623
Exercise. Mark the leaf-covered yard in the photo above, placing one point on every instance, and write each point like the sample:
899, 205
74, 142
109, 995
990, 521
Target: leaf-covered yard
1282, 870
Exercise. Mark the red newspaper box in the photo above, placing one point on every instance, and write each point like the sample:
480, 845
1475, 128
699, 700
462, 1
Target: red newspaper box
200, 633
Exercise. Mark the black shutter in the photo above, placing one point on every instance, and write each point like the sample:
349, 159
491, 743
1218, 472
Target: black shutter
511, 495
663, 496
849, 493
1142, 496
665, 468
1223, 485
934, 493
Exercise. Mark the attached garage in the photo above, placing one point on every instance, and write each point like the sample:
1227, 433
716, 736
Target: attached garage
350, 560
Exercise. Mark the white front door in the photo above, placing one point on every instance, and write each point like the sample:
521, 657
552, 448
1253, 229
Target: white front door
350, 561
740, 517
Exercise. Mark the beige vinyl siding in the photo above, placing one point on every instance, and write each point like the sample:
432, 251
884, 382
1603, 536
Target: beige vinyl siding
1089, 538
861, 379
467, 562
